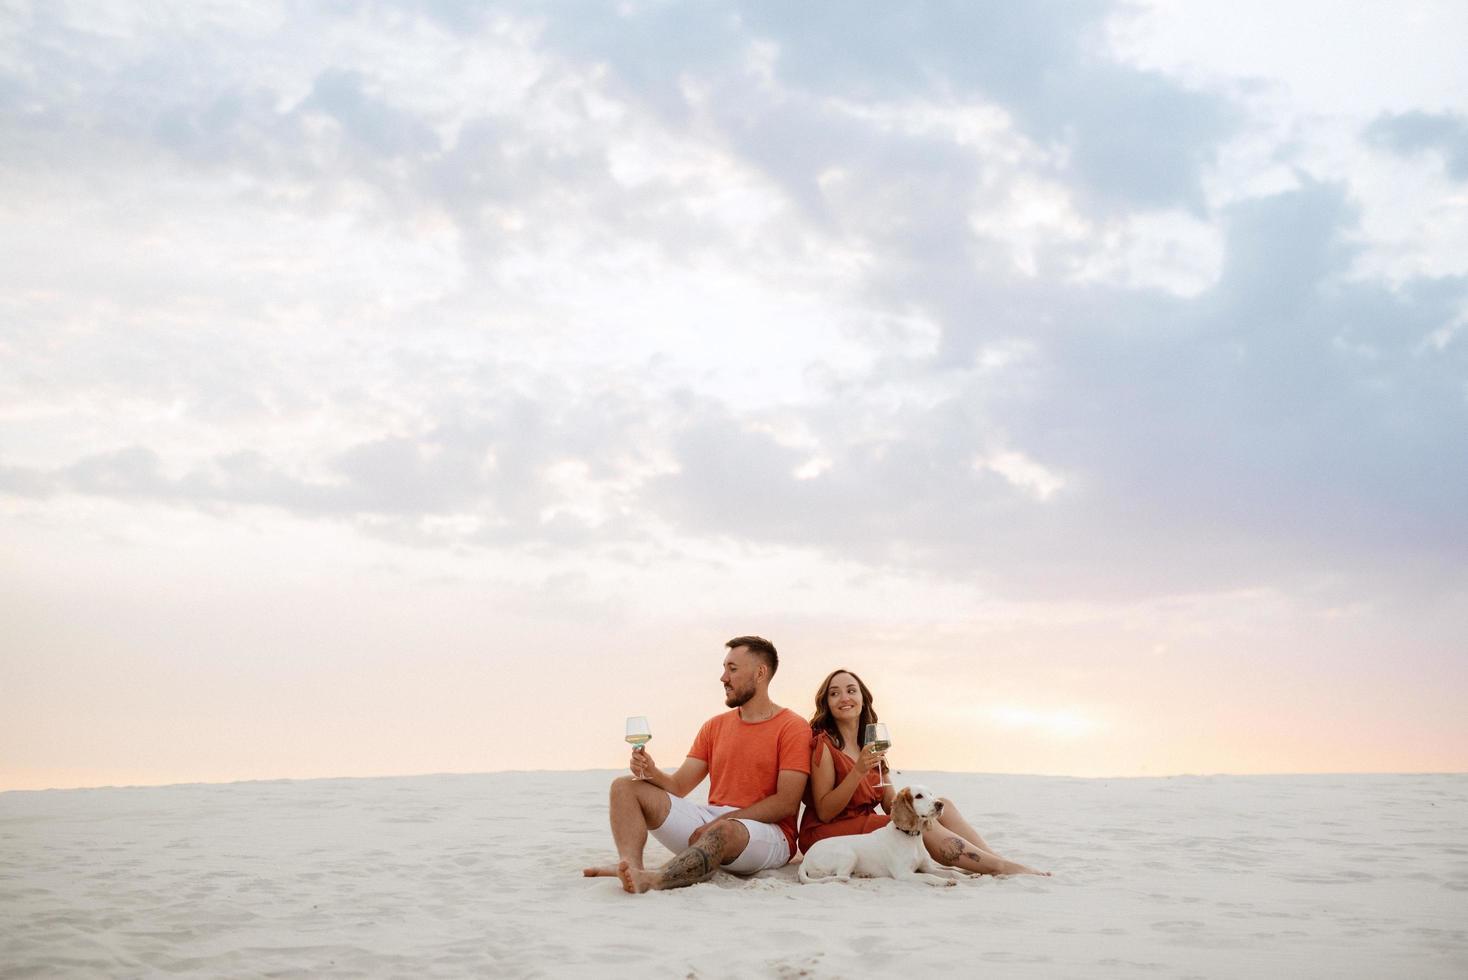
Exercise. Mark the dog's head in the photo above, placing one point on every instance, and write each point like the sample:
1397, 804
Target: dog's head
916, 809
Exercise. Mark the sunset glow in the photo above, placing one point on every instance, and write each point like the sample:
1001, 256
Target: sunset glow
415, 388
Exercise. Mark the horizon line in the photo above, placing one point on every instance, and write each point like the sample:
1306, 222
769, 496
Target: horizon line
512, 772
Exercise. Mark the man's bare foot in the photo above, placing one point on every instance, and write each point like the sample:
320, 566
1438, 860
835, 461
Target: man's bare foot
601, 871
635, 881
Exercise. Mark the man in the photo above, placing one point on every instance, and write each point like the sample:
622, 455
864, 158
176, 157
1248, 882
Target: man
757, 758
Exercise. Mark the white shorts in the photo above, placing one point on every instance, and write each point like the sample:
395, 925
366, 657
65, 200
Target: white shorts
767, 847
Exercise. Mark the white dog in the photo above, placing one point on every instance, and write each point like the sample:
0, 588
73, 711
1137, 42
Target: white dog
894, 851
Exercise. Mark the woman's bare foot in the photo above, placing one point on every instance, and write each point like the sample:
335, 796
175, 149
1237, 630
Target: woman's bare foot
1008, 867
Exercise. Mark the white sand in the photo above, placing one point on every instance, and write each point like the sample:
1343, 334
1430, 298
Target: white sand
452, 876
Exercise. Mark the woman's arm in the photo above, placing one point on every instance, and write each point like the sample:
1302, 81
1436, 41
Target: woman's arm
830, 796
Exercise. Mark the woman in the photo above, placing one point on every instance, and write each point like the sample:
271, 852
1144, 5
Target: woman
842, 796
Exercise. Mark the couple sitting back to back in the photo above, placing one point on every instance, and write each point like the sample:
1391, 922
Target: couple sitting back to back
762, 760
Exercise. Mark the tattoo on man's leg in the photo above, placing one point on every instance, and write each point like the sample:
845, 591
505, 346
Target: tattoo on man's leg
695, 864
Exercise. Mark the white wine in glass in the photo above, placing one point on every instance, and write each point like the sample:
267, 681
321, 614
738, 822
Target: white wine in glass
639, 733
879, 739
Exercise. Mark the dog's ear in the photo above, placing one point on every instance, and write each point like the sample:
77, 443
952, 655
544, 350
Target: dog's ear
904, 814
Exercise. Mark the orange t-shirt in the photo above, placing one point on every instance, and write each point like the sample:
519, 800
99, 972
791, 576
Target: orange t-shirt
745, 759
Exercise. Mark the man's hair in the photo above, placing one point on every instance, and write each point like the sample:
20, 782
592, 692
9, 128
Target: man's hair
760, 647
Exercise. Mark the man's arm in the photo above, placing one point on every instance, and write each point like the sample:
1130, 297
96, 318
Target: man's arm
789, 788
679, 783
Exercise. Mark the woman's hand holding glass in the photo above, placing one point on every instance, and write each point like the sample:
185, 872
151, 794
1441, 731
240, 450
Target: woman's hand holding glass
878, 738
868, 759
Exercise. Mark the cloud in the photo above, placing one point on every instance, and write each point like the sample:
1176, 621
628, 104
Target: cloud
1408, 133
945, 293
1132, 136
1287, 421
513, 458
1022, 471
22, 482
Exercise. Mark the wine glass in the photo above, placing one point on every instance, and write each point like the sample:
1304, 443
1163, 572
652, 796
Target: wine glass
879, 739
639, 733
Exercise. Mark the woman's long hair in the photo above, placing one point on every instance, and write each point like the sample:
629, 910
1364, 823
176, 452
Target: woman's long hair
822, 721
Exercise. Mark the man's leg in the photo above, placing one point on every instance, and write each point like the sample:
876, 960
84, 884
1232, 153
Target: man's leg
720, 844
635, 806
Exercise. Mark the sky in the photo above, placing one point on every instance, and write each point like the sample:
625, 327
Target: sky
421, 387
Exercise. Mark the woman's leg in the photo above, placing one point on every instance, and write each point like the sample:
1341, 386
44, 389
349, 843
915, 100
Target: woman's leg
948, 848
954, 821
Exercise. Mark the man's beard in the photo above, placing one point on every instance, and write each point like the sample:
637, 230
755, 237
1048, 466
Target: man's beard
738, 699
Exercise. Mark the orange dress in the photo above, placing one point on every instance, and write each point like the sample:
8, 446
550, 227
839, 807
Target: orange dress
860, 815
